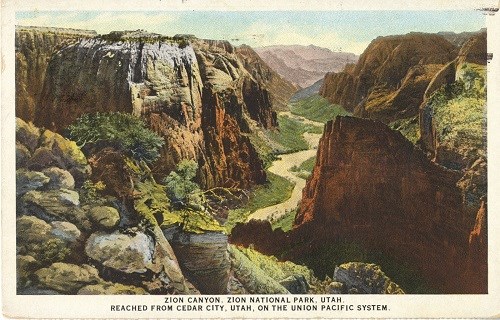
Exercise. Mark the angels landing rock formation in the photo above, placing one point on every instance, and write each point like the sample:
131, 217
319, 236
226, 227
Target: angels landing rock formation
201, 96
372, 186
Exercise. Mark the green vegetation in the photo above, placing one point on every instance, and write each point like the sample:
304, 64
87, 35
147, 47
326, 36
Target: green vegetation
277, 190
408, 127
278, 270
290, 132
90, 192
181, 190
136, 36
153, 204
305, 169
285, 222
460, 111
122, 131
317, 108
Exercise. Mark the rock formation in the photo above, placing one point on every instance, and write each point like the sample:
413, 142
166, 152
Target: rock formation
35, 47
390, 77
59, 231
371, 185
170, 82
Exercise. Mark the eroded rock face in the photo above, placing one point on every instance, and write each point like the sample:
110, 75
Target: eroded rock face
163, 82
204, 258
390, 77
34, 49
372, 186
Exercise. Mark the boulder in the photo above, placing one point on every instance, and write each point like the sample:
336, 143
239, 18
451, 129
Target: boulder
25, 265
65, 231
29, 180
108, 288
47, 243
367, 278
129, 253
22, 155
43, 158
27, 134
53, 205
67, 278
296, 284
105, 217
59, 178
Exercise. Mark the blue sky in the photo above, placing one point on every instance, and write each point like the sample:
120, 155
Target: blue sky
349, 31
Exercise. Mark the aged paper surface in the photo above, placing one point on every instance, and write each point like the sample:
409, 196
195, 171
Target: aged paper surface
76, 245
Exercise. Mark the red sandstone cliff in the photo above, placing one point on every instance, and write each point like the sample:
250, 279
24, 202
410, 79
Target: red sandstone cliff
390, 77
372, 187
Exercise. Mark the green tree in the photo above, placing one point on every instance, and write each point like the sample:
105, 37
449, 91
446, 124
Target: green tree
182, 191
123, 131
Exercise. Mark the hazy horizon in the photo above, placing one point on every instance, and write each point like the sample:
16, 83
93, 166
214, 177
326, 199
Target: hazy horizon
345, 31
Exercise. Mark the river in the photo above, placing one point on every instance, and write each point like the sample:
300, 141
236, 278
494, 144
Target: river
282, 166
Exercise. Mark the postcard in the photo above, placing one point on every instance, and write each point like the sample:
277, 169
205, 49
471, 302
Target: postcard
214, 159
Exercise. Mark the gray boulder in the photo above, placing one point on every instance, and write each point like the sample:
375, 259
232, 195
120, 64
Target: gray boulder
59, 178
29, 180
67, 278
66, 231
129, 253
296, 284
54, 205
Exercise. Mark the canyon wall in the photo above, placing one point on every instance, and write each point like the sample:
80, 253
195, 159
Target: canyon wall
373, 187
175, 84
34, 49
390, 77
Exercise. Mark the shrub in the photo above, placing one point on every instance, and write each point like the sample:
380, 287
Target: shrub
181, 190
123, 131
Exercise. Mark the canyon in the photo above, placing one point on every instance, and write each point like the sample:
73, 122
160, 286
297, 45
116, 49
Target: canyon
414, 198
165, 84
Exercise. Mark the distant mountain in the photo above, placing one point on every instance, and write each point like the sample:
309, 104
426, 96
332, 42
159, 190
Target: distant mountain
459, 39
304, 65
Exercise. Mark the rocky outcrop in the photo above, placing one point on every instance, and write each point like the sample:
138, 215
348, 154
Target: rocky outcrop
35, 47
56, 223
163, 80
390, 77
304, 65
372, 186
364, 278
204, 258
